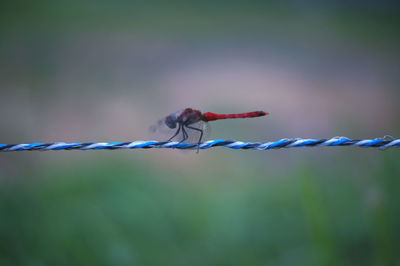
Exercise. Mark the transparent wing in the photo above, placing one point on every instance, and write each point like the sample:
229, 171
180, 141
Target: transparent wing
162, 132
194, 132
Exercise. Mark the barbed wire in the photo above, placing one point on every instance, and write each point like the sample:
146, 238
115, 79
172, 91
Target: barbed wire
382, 143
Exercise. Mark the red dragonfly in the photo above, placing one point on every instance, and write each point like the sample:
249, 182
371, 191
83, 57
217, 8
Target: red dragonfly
192, 124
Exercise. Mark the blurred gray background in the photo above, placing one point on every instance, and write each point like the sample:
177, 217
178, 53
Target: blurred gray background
107, 70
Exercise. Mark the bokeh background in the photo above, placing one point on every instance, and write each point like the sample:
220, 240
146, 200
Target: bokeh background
107, 70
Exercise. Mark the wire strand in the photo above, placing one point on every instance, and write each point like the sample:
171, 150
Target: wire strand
381, 143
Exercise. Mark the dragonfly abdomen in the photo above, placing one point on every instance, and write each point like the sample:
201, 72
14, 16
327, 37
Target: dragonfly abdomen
212, 116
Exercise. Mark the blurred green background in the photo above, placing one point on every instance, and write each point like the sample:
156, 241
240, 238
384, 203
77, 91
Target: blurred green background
106, 70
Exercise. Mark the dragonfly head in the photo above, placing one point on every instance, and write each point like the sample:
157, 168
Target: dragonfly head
171, 121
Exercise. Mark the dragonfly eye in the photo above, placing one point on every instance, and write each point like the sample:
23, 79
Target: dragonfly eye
170, 121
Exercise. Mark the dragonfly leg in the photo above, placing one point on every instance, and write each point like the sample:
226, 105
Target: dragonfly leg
201, 135
176, 133
185, 135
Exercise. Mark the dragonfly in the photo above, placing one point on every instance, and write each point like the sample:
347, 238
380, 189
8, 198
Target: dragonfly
191, 125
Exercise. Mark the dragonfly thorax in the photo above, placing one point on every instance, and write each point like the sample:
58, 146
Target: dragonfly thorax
189, 116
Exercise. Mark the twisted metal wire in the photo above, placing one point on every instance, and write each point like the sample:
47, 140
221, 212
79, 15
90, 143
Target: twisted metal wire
382, 143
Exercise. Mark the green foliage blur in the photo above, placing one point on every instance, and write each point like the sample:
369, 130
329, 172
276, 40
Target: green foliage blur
108, 212
102, 70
